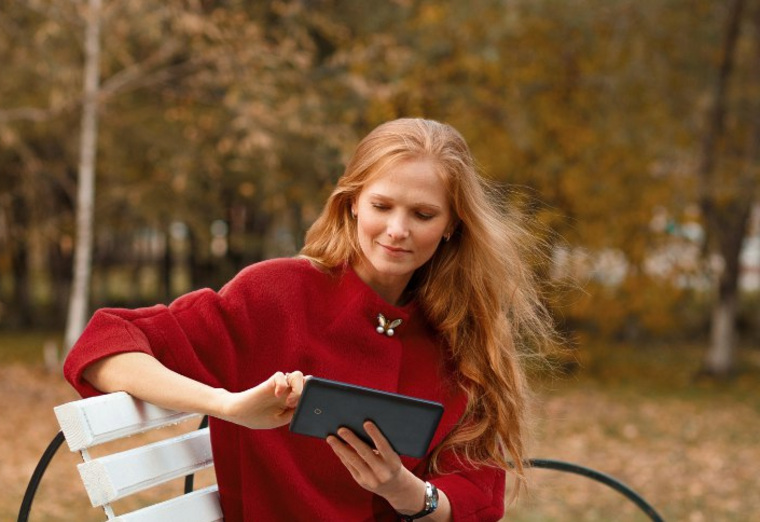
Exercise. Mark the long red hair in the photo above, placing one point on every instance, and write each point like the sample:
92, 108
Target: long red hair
477, 290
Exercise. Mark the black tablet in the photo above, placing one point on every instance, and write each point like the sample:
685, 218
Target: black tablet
407, 422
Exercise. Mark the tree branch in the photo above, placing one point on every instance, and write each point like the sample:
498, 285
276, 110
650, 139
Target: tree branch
134, 72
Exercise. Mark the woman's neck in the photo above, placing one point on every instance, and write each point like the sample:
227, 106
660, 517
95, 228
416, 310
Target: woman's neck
391, 288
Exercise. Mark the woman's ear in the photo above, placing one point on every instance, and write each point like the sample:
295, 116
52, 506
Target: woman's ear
452, 227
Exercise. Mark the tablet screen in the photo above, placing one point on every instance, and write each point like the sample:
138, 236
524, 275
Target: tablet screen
407, 422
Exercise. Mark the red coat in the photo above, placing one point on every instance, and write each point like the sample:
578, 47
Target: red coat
285, 315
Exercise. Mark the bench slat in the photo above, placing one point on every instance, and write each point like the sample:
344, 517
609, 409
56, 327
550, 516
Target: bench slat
121, 474
198, 506
93, 421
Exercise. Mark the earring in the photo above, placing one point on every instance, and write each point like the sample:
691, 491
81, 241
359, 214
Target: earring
446, 237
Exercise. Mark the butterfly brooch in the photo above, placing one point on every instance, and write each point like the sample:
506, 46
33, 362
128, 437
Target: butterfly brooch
386, 326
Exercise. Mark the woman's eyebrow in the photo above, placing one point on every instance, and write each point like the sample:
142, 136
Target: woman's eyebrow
416, 204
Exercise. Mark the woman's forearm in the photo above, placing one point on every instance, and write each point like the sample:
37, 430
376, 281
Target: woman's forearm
144, 377
268, 405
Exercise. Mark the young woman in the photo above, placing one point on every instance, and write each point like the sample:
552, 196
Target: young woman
411, 233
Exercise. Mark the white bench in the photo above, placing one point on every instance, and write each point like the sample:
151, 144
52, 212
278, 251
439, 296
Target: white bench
91, 422
88, 423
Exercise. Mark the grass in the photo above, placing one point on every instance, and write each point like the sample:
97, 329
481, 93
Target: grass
27, 347
669, 369
689, 446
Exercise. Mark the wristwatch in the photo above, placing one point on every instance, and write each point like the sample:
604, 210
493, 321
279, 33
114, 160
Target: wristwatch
431, 503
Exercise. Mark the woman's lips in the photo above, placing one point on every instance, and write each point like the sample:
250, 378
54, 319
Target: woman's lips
394, 250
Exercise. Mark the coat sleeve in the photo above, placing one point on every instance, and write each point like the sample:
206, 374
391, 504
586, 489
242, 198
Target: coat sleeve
197, 335
476, 495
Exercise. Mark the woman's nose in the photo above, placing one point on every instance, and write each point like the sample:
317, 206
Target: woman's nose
397, 227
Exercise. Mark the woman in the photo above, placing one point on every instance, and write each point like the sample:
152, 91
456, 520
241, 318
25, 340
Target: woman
409, 233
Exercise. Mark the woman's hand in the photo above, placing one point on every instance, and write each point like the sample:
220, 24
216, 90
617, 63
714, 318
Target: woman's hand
379, 470
269, 405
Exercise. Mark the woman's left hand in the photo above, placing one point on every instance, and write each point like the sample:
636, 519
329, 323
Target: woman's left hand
379, 470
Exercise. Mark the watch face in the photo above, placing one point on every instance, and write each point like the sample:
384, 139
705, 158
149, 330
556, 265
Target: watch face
431, 498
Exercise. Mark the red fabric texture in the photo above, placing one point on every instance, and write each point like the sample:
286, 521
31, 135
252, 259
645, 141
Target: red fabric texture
285, 315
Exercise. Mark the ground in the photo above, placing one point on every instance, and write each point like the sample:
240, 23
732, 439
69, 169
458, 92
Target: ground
690, 448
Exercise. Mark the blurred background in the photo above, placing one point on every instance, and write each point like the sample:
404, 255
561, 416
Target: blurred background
150, 148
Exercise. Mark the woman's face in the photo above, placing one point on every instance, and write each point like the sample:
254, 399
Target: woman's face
402, 216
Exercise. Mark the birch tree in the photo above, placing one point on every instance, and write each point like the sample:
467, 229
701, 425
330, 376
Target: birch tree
80, 290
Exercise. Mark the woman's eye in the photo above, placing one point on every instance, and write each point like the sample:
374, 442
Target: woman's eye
378, 206
424, 216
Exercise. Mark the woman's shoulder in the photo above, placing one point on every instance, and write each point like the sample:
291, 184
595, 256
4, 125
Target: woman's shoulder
276, 266
280, 273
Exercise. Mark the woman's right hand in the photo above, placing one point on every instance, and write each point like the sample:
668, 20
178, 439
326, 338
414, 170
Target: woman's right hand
271, 404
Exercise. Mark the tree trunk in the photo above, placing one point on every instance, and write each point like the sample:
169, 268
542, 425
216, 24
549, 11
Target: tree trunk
166, 267
719, 359
730, 222
60, 268
78, 302
22, 314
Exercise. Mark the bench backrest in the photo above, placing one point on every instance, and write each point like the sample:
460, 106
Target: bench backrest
90, 422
